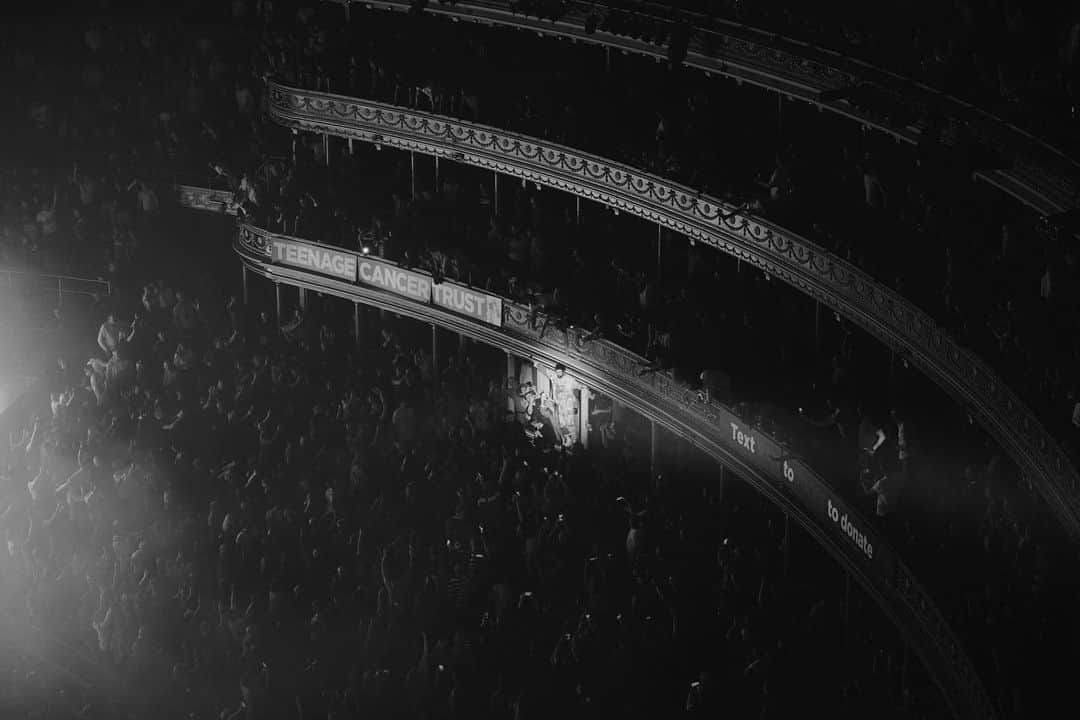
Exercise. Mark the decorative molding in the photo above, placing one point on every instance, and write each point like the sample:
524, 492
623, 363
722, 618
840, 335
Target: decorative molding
802, 495
782, 254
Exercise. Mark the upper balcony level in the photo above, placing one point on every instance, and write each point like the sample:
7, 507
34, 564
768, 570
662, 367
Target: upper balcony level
1027, 153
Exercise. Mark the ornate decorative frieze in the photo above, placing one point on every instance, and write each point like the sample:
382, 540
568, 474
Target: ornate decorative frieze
782, 254
680, 408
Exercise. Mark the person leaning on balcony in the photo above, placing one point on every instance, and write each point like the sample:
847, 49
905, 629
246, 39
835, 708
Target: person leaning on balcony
779, 182
831, 419
903, 440
716, 384
890, 485
873, 188
872, 438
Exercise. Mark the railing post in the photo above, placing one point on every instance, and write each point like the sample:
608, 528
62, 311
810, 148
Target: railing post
303, 298
356, 321
653, 431
435, 353
244, 279
511, 385
412, 173
277, 301
904, 671
496, 193
577, 209
326, 147
659, 251
787, 543
817, 325
436, 173
583, 418
847, 608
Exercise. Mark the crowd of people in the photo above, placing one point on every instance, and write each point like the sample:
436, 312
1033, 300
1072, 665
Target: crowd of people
91, 155
954, 498
975, 512
233, 521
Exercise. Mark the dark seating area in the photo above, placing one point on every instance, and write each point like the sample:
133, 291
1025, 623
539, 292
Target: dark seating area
225, 513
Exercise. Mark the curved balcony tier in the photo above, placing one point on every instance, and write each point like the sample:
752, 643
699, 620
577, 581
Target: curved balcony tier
776, 251
1029, 169
764, 462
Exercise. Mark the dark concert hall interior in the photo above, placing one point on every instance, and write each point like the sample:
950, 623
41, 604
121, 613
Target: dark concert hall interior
539, 359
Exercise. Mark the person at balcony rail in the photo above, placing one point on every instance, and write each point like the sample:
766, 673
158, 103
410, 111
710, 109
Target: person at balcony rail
895, 478
779, 182
871, 438
873, 188
716, 384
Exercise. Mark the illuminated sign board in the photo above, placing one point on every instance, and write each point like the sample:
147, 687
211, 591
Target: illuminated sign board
314, 257
466, 301
411, 284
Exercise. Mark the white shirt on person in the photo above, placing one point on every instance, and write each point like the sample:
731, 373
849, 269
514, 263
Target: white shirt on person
247, 189
99, 386
109, 336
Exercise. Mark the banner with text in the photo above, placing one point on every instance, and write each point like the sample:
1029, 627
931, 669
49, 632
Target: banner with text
858, 538
467, 301
318, 258
409, 283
